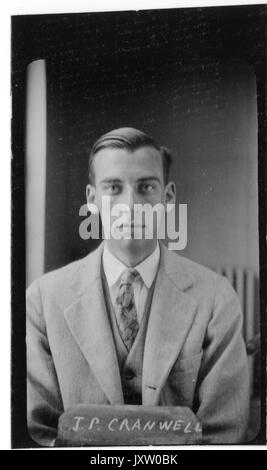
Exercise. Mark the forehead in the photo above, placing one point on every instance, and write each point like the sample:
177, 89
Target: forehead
122, 163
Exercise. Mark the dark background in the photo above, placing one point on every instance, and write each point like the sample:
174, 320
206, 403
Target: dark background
193, 78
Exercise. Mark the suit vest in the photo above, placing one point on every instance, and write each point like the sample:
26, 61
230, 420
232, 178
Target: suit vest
130, 363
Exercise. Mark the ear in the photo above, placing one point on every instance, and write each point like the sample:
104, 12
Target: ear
91, 199
170, 193
90, 194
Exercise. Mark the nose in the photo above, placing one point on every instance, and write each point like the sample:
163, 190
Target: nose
130, 198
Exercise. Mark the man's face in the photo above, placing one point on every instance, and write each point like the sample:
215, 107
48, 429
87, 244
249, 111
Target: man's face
128, 178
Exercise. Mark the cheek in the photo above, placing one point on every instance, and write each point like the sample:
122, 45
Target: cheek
98, 198
116, 209
155, 198
104, 200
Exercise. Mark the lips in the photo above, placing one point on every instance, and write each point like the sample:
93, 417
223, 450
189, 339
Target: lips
132, 226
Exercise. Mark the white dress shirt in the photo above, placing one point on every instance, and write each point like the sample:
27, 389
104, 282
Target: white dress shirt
113, 269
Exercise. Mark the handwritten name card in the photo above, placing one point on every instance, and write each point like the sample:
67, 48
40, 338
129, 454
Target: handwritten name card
100, 425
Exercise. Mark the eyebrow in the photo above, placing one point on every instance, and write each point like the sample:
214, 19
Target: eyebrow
111, 180
149, 178
140, 180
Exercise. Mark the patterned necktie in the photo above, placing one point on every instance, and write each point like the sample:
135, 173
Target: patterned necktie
125, 308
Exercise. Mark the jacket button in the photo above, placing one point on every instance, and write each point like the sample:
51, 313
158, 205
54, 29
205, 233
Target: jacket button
128, 374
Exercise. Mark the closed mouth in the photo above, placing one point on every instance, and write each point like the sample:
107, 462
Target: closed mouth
132, 226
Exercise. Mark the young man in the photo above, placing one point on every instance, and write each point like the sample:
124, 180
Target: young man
134, 323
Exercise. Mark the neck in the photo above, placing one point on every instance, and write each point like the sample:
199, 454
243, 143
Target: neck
132, 254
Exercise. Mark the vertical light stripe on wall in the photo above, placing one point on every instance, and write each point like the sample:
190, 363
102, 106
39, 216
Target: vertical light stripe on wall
35, 169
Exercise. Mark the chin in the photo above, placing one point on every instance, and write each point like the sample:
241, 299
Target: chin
133, 244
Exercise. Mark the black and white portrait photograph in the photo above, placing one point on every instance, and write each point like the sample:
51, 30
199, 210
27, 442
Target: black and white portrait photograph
138, 217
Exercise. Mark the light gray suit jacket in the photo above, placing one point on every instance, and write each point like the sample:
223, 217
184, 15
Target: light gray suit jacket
194, 352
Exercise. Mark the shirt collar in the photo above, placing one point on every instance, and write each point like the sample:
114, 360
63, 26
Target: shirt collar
113, 268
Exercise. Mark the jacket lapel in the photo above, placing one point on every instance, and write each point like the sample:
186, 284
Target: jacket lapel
171, 315
89, 324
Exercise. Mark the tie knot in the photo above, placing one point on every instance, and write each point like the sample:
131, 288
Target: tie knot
129, 276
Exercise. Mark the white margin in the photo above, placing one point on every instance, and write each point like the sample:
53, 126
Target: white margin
25, 7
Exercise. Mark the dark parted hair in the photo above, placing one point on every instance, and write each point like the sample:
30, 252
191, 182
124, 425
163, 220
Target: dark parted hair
130, 139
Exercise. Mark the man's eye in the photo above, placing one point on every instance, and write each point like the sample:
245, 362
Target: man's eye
112, 189
146, 188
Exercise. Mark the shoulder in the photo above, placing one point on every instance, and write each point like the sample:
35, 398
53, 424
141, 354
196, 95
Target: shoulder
61, 282
181, 268
188, 274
